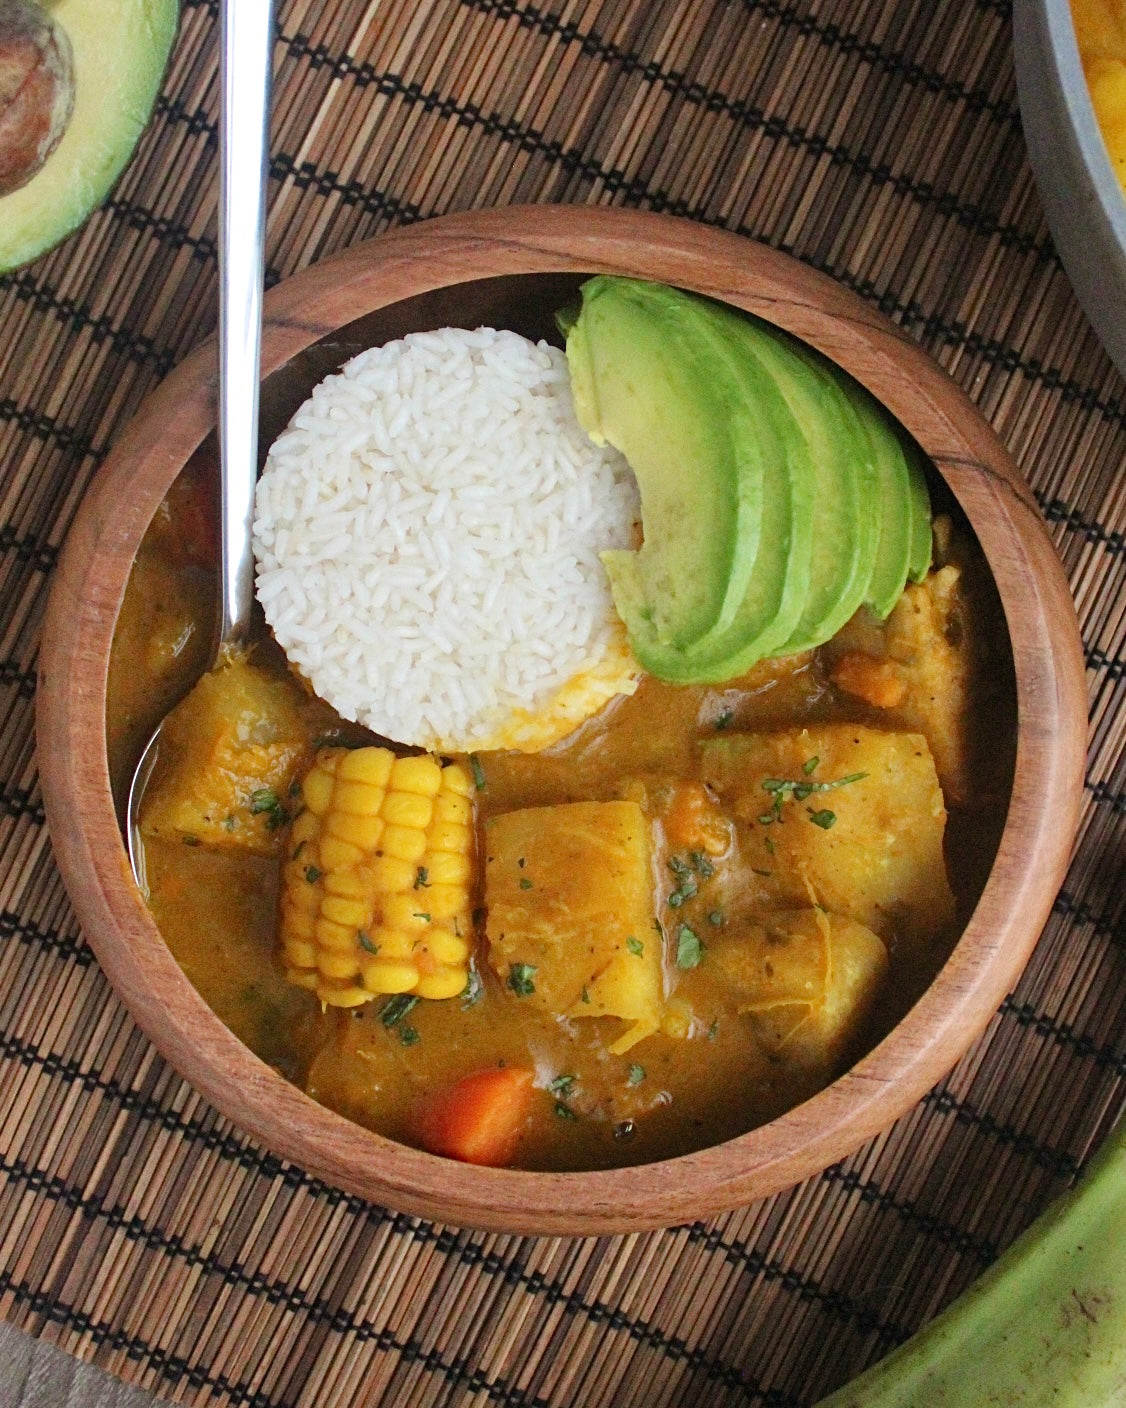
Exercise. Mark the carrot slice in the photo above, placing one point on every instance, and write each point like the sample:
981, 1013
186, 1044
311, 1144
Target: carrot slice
479, 1119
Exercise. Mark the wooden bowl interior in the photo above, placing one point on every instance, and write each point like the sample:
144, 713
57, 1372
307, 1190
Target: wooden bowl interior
429, 277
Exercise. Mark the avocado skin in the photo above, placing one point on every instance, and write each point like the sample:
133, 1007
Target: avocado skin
120, 49
843, 516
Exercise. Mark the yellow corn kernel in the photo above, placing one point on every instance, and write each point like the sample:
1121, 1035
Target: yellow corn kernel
389, 874
447, 948
370, 765
445, 982
407, 911
338, 855
337, 965
317, 790
388, 976
376, 890
448, 868
404, 843
407, 809
356, 798
446, 901
451, 806
456, 779
422, 774
363, 831
353, 913
449, 836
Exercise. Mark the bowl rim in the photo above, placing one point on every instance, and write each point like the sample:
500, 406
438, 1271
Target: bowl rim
1034, 848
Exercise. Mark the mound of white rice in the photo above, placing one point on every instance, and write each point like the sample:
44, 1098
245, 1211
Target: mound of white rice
427, 533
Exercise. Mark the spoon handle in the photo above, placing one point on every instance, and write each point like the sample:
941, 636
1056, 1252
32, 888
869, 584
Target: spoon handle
247, 32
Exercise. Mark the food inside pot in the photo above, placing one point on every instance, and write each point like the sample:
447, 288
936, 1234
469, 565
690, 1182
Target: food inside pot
658, 916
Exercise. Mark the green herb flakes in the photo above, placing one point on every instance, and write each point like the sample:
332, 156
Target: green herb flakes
824, 818
396, 1008
473, 991
635, 946
365, 942
564, 1112
723, 719
562, 1084
635, 1074
313, 874
478, 772
422, 879
525, 883
809, 765
689, 949
520, 979
190, 840
409, 1036
715, 918
586, 993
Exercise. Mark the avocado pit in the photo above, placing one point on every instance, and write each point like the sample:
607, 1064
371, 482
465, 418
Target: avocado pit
36, 90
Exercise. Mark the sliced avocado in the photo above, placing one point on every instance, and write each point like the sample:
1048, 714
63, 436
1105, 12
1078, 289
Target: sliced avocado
844, 528
120, 48
644, 379
922, 534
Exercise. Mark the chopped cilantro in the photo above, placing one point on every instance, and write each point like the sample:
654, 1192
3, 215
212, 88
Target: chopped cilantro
409, 1035
716, 917
396, 1008
713, 1030
771, 849
190, 840
689, 949
525, 883
520, 979
264, 802
422, 878
564, 1112
701, 864
313, 874
421, 914
824, 818
298, 849
478, 772
636, 1074
635, 946
808, 766
473, 991
228, 823
562, 1084
365, 942
586, 993
723, 719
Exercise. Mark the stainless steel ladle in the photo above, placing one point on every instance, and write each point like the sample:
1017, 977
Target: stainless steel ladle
246, 43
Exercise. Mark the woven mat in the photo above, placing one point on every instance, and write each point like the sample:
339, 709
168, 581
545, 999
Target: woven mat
876, 139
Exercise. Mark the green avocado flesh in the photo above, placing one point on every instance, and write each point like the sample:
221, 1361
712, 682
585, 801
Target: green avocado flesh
120, 51
776, 497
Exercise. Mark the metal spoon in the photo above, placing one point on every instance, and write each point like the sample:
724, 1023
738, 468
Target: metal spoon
246, 42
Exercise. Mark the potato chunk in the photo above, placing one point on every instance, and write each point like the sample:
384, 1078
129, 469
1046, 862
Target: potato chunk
807, 979
229, 753
853, 814
571, 927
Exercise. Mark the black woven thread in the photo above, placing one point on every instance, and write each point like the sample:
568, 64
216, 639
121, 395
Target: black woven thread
340, 1321
830, 36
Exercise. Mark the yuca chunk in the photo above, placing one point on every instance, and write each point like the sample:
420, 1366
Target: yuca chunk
570, 923
236, 744
36, 90
919, 666
807, 979
869, 848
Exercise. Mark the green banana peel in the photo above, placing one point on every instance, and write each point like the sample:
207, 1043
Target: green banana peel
1045, 1325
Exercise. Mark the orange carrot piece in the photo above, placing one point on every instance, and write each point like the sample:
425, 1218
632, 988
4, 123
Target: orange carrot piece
479, 1119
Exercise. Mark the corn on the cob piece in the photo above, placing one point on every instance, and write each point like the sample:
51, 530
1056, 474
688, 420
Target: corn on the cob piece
378, 876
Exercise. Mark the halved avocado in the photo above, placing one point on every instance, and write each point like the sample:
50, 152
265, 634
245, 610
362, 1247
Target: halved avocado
120, 49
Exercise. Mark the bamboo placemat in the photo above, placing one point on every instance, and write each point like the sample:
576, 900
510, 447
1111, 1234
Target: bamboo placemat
876, 139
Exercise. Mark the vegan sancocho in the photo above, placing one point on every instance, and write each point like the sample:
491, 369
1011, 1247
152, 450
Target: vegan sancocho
623, 746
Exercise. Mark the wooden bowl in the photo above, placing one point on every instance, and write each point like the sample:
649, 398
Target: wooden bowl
501, 264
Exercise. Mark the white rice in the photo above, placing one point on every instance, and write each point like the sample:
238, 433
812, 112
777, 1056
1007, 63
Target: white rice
427, 533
